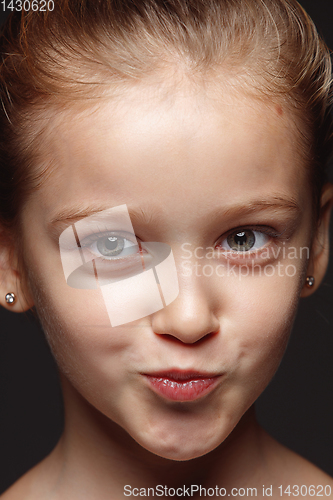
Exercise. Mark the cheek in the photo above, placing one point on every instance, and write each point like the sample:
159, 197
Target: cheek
94, 357
76, 325
257, 328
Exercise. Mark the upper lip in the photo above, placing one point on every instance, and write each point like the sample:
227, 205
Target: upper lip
181, 375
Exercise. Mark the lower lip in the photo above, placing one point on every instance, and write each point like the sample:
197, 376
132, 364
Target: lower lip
186, 390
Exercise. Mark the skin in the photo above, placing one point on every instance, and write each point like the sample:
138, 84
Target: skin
193, 165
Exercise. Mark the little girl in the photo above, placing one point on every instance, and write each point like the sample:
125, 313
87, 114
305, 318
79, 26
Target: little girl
164, 207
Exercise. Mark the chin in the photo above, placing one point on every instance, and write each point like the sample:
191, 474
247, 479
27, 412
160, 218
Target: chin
179, 453
180, 446
185, 455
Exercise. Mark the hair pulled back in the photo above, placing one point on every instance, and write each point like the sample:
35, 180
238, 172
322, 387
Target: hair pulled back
53, 59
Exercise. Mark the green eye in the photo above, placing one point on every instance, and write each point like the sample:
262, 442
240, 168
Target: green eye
241, 241
110, 246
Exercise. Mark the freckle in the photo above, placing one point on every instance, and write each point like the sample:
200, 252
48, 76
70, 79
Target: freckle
279, 110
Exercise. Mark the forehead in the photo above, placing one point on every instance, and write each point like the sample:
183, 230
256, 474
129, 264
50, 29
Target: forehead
172, 147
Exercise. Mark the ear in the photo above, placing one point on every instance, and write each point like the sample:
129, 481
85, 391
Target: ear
11, 280
319, 255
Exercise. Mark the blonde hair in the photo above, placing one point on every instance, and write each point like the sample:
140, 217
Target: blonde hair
271, 47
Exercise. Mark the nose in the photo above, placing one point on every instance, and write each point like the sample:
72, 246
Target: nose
189, 318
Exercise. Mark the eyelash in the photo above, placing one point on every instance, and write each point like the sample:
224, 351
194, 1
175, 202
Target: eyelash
275, 239
88, 241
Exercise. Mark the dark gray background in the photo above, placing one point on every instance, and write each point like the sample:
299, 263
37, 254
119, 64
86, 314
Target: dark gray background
296, 408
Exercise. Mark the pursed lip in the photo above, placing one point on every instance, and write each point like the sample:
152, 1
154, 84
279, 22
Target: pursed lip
182, 385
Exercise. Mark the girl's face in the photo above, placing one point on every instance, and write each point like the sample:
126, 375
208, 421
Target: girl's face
220, 182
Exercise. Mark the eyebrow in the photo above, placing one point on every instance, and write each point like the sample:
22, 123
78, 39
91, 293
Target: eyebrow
71, 215
253, 206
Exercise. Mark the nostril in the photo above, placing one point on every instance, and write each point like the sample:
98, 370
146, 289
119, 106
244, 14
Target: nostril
188, 320
180, 340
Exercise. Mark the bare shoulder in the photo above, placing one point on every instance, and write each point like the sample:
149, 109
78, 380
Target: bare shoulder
23, 489
37, 483
292, 474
